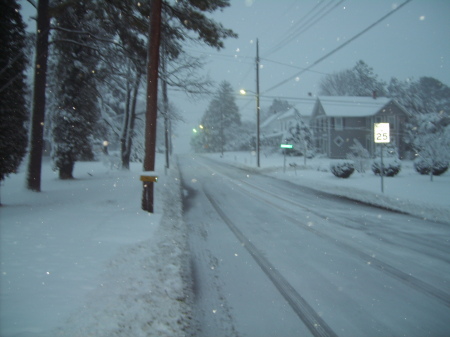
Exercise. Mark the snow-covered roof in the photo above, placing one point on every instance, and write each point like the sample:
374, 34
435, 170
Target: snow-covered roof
343, 106
288, 114
269, 120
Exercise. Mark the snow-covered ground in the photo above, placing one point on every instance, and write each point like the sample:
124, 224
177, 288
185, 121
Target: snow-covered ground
82, 259
408, 192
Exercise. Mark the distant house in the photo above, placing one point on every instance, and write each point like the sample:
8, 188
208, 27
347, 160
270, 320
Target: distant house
338, 121
274, 128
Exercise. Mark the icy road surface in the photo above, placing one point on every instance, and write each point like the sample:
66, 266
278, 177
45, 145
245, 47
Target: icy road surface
271, 258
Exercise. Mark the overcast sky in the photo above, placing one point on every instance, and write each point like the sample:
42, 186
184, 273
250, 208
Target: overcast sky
293, 34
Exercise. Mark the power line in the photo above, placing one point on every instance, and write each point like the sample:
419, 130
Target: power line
304, 27
299, 23
227, 56
289, 32
338, 48
292, 66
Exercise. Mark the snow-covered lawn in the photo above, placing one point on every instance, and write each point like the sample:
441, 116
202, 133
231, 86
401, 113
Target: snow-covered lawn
407, 192
82, 259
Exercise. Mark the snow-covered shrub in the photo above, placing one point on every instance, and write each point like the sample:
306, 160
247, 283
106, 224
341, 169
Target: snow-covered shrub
427, 166
391, 167
342, 169
359, 155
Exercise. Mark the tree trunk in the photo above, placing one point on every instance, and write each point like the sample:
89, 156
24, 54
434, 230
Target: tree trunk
66, 171
126, 154
125, 130
38, 110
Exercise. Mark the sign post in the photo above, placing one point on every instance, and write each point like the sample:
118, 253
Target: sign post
381, 132
285, 146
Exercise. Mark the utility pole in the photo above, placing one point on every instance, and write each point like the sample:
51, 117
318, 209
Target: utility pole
165, 103
221, 129
257, 103
152, 102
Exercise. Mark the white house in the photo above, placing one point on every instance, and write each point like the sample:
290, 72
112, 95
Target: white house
274, 127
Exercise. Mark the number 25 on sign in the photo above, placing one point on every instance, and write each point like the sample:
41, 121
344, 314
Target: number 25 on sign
381, 133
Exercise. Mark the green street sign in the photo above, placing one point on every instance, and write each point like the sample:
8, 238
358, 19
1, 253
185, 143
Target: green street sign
286, 146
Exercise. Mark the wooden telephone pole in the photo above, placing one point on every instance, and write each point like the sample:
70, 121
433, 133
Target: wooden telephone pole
257, 106
152, 102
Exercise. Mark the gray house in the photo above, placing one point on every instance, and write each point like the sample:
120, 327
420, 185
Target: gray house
339, 121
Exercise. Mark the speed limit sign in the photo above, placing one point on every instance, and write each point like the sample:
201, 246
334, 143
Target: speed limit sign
381, 133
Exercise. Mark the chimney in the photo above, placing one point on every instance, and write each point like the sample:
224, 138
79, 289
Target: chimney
374, 94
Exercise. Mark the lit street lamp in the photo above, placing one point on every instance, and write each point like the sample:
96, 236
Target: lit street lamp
105, 147
244, 92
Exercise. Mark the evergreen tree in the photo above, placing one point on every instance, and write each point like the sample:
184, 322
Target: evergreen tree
128, 25
277, 106
432, 138
427, 95
428, 100
75, 108
13, 111
219, 120
301, 136
359, 155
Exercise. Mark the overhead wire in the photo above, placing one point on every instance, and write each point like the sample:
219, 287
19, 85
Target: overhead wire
292, 66
338, 48
302, 27
296, 26
250, 68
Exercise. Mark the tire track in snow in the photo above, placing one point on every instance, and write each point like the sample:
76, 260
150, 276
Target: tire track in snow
315, 324
407, 279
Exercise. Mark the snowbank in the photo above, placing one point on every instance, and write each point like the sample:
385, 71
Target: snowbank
144, 292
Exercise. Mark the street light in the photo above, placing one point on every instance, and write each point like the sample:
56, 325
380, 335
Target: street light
105, 147
244, 92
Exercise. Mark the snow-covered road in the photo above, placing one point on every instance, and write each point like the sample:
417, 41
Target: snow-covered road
271, 258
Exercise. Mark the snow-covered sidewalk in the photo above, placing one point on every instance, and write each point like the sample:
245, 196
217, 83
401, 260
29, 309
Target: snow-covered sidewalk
408, 192
82, 259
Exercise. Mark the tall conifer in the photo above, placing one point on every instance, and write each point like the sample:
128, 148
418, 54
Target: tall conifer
13, 112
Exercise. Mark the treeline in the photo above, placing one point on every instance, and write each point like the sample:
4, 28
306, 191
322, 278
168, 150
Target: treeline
89, 67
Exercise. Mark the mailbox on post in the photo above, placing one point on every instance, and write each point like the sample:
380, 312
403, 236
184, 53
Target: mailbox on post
148, 178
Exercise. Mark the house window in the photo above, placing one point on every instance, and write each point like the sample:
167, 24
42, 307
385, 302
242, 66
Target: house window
391, 120
338, 123
339, 141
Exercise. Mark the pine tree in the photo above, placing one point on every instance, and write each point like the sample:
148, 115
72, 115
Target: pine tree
128, 24
74, 106
301, 136
218, 121
13, 111
425, 99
